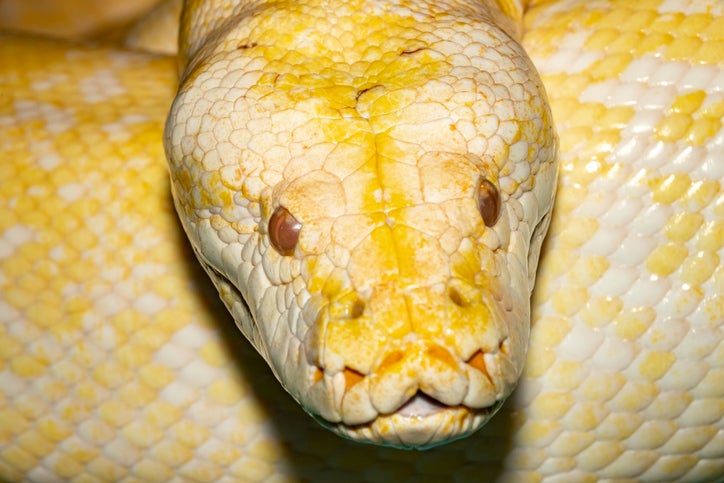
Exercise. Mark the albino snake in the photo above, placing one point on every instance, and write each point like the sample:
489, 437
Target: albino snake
372, 181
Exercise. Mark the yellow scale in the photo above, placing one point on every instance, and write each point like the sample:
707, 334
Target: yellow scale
118, 362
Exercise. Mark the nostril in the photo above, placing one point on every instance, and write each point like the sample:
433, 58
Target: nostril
356, 309
456, 297
461, 293
348, 307
503, 346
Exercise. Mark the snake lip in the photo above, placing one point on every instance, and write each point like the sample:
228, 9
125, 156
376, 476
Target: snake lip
408, 391
420, 423
416, 419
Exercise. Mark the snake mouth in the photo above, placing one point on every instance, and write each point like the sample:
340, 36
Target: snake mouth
421, 423
421, 406
418, 397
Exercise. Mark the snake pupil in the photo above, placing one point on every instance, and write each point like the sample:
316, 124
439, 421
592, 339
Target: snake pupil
284, 231
488, 202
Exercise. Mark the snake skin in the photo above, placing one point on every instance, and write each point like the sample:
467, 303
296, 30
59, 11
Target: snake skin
117, 363
401, 316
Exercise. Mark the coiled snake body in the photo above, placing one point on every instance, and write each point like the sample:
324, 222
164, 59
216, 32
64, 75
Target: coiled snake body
368, 185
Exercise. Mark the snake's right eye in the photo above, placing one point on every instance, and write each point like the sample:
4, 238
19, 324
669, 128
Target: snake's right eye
488, 201
284, 231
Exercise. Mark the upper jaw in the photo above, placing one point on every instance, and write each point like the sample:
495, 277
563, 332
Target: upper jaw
420, 395
443, 374
424, 368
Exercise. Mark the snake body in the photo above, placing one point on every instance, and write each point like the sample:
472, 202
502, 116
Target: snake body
369, 126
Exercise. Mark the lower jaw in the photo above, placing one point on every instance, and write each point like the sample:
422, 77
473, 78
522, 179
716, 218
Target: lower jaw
420, 424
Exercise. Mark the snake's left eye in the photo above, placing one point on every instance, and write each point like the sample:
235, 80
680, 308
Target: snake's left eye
488, 201
284, 231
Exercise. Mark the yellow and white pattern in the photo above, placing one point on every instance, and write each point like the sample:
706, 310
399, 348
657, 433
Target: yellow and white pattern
117, 363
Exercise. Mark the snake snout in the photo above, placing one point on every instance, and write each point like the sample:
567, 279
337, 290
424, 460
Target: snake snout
419, 386
412, 356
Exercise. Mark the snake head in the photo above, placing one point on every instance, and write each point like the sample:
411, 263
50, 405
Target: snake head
372, 217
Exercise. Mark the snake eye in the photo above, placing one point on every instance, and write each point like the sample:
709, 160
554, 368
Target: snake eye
284, 231
488, 201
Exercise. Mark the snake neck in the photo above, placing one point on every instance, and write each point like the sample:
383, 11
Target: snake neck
206, 23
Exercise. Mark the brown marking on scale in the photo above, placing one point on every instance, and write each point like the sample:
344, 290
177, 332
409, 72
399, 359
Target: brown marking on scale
391, 359
351, 377
412, 51
478, 362
442, 354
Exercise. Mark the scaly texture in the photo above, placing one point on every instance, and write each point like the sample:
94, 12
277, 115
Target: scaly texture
399, 312
117, 365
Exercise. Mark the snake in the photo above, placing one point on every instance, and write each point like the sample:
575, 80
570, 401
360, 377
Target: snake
363, 189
